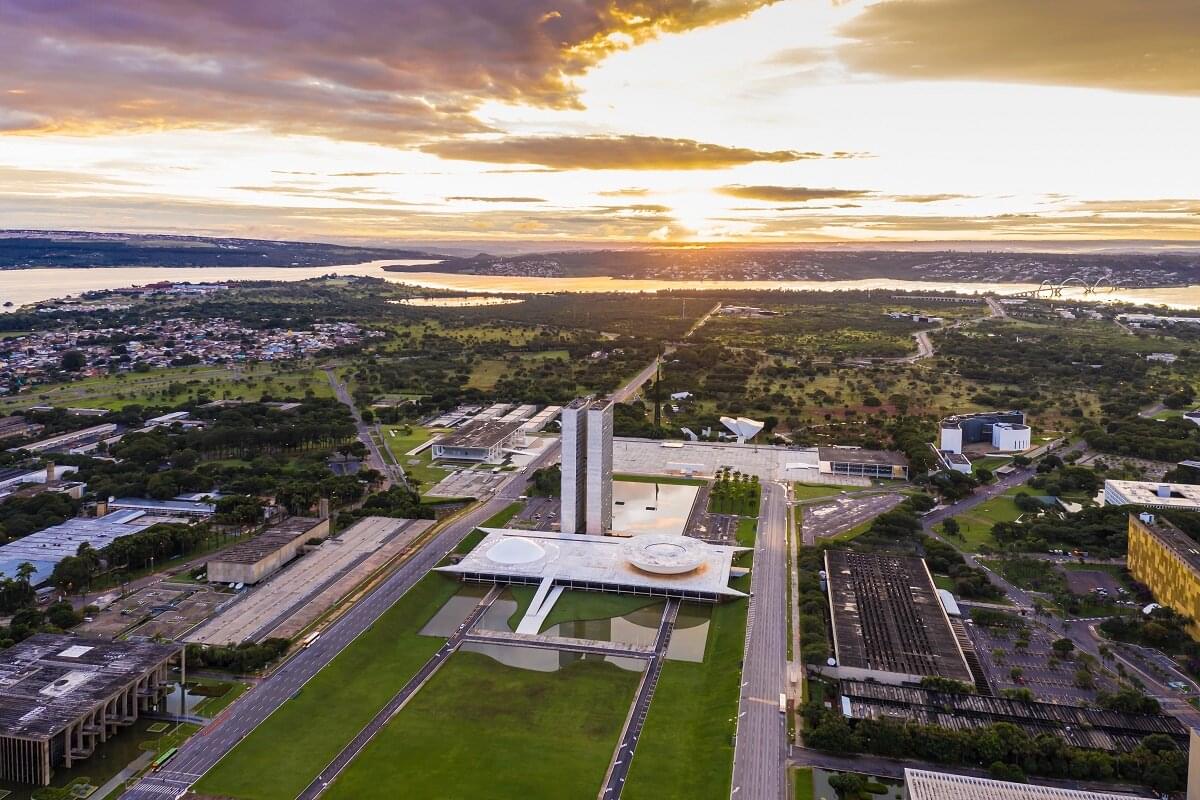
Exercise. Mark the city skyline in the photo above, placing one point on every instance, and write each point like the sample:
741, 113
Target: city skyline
738, 121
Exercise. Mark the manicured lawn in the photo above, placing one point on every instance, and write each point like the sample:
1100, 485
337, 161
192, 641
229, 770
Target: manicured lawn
746, 530
575, 606
674, 480
944, 582
976, 524
803, 778
215, 704
294, 744
480, 729
815, 491
991, 463
686, 749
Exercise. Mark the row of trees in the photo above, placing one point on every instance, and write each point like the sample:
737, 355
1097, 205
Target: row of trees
735, 493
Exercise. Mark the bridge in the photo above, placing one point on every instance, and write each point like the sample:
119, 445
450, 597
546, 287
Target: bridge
1049, 288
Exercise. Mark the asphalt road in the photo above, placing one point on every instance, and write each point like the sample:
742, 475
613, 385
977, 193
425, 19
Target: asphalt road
618, 770
760, 750
374, 458
200, 753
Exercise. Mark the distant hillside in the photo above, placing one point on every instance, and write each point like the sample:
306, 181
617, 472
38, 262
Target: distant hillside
842, 263
56, 249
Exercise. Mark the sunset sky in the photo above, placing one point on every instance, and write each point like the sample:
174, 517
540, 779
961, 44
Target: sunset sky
587, 120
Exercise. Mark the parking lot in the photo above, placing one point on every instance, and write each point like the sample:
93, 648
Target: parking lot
163, 609
1088, 581
840, 514
999, 655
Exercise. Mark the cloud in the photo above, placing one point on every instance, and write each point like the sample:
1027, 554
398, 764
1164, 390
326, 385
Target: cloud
789, 194
383, 72
471, 199
928, 198
630, 192
1163, 206
1147, 46
607, 152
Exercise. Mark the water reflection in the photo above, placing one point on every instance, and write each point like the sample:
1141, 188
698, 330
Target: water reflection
454, 611
640, 508
640, 627
541, 660
456, 302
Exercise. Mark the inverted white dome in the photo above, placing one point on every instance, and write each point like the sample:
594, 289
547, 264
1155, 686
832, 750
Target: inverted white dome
664, 553
515, 550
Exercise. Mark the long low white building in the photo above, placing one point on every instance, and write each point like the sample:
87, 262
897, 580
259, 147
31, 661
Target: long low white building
924, 785
1152, 494
664, 565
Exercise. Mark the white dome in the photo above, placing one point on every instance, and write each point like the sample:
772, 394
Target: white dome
665, 553
515, 550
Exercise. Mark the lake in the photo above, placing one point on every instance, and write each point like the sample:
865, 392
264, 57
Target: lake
34, 285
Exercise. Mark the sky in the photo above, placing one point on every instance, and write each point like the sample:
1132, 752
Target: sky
554, 121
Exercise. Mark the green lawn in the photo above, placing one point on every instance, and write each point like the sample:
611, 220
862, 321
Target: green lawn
686, 749
675, 480
577, 606
816, 491
176, 385
480, 729
215, 704
803, 778
294, 744
976, 524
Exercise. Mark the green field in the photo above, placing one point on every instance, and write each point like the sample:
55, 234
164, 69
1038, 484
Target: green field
177, 385
576, 606
481, 729
215, 703
686, 749
306, 732
803, 778
976, 524
815, 491
673, 480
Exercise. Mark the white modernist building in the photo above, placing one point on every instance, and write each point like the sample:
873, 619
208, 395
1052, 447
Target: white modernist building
587, 447
924, 785
1010, 437
743, 428
1152, 494
663, 565
1005, 430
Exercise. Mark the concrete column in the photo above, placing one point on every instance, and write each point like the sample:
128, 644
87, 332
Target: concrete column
67, 747
103, 717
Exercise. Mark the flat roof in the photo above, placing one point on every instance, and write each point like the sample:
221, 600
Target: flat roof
1175, 540
482, 433
856, 455
268, 542
1145, 493
45, 548
924, 785
49, 681
178, 506
957, 419
662, 564
887, 616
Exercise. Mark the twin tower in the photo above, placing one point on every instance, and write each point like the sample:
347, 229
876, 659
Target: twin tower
587, 456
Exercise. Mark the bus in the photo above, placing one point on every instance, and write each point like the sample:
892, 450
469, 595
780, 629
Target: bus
308, 641
782, 703
161, 761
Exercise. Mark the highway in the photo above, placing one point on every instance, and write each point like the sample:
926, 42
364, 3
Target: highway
200, 753
622, 758
760, 749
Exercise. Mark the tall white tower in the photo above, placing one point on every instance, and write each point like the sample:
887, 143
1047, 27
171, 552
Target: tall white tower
599, 466
572, 517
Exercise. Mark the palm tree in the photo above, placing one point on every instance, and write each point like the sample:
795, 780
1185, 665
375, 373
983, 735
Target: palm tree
25, 571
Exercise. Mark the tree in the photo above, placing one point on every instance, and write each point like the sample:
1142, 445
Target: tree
73, 361
951, 527
1062, 647
848, 785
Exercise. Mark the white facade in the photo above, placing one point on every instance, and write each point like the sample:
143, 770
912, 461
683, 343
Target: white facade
925, 785
1008, 437
599, 467
951, 440
574, 473
1152, 494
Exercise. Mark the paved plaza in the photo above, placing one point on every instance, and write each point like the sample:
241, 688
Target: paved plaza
768, 462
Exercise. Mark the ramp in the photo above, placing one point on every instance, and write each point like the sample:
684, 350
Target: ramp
539, 607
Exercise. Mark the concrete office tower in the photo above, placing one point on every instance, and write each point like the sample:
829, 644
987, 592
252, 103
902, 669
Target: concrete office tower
599, 466
572, 518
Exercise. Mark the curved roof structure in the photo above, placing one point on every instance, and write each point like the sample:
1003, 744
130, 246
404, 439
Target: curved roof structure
665, 553
743, 427
515, 550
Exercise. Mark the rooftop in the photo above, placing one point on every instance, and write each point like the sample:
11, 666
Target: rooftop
923, 785
1156, 493
1175, 540
958, 419
254, 550
484, 434
856, 455
49, 680
46, 548
887, 617
664, 564
168, 506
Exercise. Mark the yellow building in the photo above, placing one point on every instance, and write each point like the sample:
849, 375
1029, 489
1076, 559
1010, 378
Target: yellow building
1168, 562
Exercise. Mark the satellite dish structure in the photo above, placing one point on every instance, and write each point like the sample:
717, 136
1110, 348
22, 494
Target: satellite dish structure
742, 427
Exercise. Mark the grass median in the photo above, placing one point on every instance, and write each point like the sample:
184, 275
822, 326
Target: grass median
483, 729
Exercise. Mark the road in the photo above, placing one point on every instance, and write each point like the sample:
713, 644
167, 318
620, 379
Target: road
200, 753
374, 457
398, 701
760, 749
622, 759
